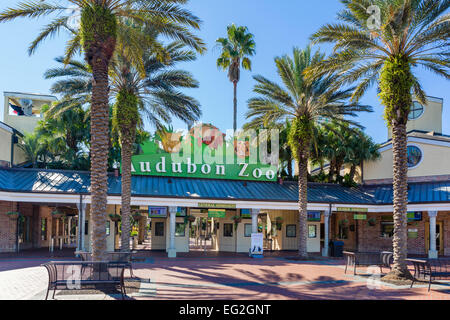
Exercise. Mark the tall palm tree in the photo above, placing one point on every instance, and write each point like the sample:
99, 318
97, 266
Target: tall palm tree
153, 96
361, 148
236, 49
32, 147
305, 105
367, 48
103, 24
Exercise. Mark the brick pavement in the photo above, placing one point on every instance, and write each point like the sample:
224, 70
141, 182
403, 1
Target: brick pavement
224, 277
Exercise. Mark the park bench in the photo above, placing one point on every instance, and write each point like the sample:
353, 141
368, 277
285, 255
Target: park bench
356, 259
430, 269
70, 275
111, 256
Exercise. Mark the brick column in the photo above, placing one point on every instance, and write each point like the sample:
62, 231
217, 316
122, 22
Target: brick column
432, 253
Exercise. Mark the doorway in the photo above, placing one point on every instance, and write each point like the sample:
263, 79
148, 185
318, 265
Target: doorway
439, 237
202, 233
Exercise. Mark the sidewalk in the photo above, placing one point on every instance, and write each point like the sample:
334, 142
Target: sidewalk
224, 277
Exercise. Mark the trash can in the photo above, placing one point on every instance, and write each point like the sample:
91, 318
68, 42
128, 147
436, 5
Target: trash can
338, 248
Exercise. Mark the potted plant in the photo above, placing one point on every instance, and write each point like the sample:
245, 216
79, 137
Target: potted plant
136, 215
344, 222
279, 222
134, 236
190, 218
115, 217
57, 214
372, 222
13, 215
236, 220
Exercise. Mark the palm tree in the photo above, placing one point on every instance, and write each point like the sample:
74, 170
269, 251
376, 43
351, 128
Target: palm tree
103, 24
32, 147
237, 46
154, 95
66, 138
361, 148
305, 105
367, 48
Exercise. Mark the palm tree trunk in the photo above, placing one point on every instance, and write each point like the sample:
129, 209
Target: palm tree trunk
400, 200
99, 156
235, 106
302, 202
331, 171
289, 168
352, 172
127, 145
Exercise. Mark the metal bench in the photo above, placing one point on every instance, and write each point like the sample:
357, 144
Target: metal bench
356, 259
430, 269
111, 256
70, 275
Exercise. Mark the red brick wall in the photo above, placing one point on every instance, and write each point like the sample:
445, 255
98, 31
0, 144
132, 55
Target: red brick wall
7, 228
350, 243
370, 237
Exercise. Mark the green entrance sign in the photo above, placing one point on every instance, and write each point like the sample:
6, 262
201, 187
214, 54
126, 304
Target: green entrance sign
360, 216
171, 154
351, 209
216, 213
216, 205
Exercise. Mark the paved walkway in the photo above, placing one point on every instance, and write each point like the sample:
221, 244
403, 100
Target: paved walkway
224, 277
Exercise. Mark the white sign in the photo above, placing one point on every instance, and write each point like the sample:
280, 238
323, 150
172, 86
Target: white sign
257, 244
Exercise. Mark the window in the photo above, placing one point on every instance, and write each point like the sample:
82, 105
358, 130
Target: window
24, 229
86, 227
108, 228
247, 230
416, 111
414, 156
227, 229
43, 229
291, 231
312, 231
343, 230
387, 229
159, 229
179, 229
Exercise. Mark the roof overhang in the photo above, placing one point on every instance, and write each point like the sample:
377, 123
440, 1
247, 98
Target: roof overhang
34, 197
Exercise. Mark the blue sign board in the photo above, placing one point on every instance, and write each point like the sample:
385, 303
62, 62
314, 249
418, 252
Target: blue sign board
313, 215
157, 212
245, 213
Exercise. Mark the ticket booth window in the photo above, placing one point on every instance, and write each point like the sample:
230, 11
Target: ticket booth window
159, 229
312, 231
43, 229
227, 229
291, 231
387, 229
179, 229
247, 230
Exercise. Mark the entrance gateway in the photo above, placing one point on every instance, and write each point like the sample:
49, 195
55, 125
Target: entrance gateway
216, 227
204, 152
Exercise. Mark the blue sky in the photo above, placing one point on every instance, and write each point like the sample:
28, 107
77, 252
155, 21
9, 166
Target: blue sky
278, 26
